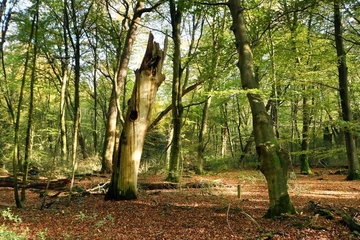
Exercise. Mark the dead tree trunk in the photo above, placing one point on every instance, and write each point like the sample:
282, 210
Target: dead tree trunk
123, 183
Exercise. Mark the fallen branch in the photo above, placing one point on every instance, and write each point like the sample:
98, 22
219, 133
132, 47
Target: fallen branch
227, 220
253, 220
351, 222
100, 188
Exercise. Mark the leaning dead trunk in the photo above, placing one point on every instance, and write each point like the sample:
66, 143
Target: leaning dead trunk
272, 163
123, 183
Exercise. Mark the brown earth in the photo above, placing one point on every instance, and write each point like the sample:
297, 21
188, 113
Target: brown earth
212, 211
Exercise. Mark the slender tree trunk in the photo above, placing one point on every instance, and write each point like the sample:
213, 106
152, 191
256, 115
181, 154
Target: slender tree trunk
17, 122
168, 147
201, 143
354, 170
305, 142
123, 183
28, 140
111, 125
77, 110
64, 80
273, 164
95, 134
177, 108
304, 156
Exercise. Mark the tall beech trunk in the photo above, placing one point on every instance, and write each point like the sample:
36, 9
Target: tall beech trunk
177, 107
123, 183
272, 162
113, 111
354, 170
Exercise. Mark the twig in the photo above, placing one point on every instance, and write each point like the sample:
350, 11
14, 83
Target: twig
227, 220
253, 220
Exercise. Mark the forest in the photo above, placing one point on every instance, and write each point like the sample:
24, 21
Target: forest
183, 109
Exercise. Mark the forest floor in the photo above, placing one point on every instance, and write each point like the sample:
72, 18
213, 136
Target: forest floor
211, 211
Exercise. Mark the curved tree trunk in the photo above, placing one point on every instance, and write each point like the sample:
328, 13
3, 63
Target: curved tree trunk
272, 163
123, 183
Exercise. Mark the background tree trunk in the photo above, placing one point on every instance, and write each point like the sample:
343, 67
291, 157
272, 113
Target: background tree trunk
177, 108
28, 140
354, 170
123, 183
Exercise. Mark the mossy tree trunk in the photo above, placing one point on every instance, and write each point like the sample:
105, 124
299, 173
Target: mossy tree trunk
272, 162
123, 183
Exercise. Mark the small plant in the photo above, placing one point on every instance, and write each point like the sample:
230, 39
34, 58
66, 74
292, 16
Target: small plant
42, 234
6, 232
8, 215
103, 221
66, 235
82, 216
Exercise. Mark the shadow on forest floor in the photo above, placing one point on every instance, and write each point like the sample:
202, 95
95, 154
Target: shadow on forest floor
205, 207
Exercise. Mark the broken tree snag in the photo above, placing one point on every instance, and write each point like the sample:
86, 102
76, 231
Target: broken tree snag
148, 77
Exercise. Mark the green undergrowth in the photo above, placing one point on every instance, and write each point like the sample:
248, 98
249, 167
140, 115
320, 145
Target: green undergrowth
11, 222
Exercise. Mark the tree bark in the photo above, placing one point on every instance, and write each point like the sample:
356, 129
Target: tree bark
273, 164
354, 170
123, 183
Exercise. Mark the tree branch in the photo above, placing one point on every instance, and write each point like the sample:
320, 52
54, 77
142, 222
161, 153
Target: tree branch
168, 108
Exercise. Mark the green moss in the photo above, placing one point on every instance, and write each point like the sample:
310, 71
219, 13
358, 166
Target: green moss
353, 175
129, 194
284, 205
172, 177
